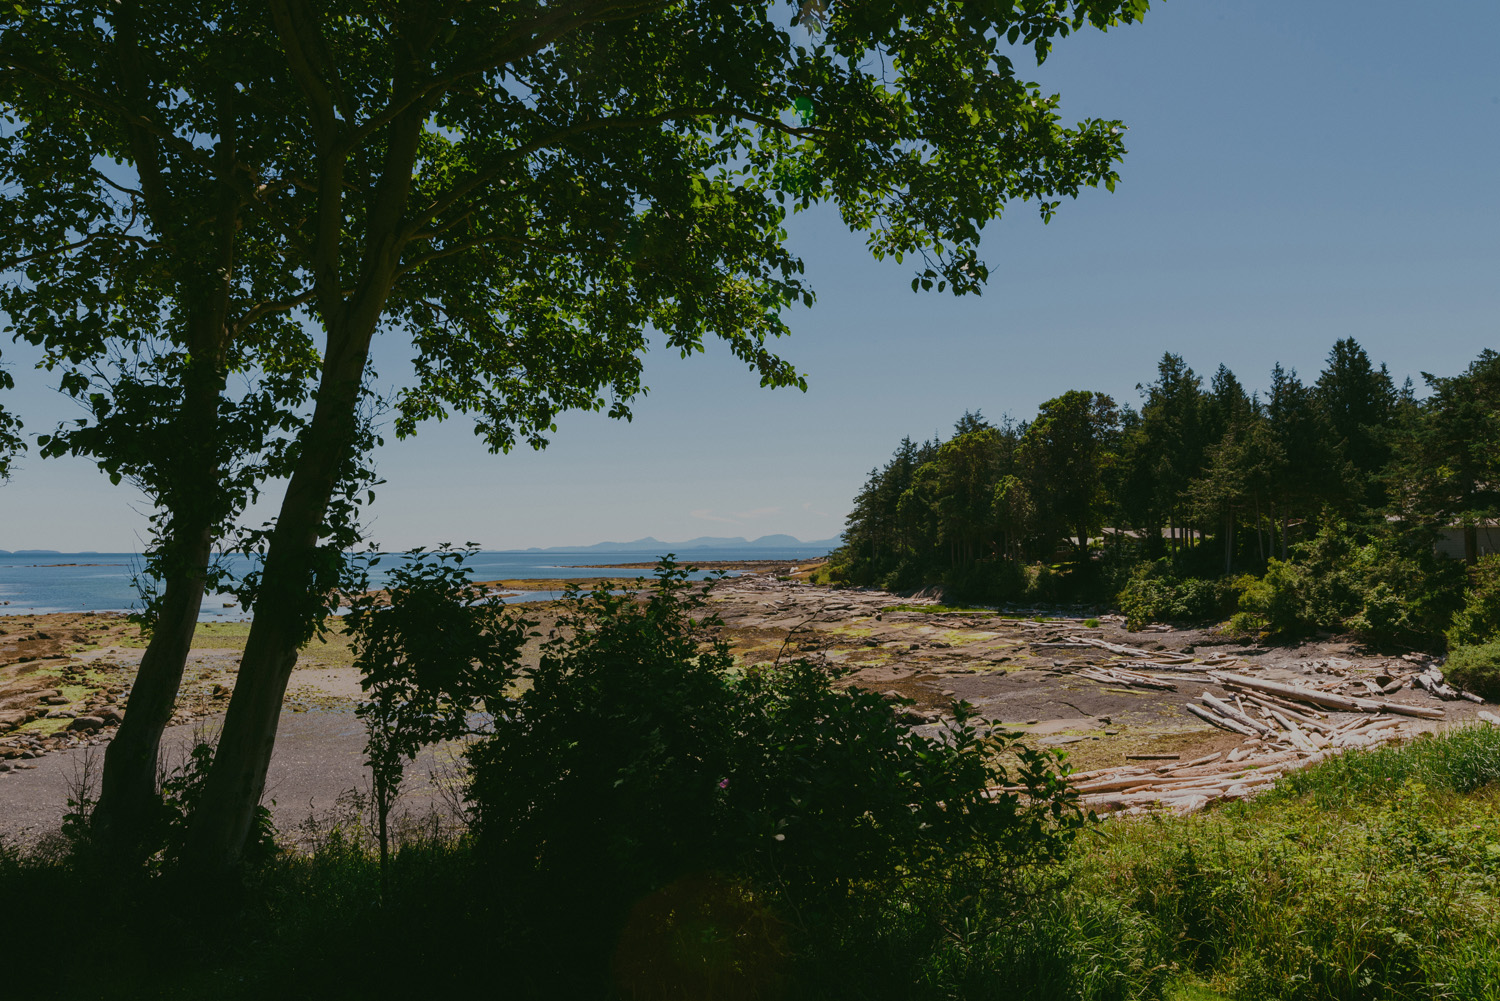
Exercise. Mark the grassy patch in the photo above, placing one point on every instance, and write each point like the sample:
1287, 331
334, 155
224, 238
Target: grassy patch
1375, 875
1461, 761
76, 693
1192, 990
42, 727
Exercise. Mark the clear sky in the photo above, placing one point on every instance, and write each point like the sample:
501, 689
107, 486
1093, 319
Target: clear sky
1298, 173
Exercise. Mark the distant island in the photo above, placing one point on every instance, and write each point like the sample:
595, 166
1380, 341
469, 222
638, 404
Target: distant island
649, 544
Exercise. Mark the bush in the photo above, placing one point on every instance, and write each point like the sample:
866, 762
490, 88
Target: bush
1275, 603
1478, 621
641, 765
1475, 669
1154, 593
1045, 583
1385, 590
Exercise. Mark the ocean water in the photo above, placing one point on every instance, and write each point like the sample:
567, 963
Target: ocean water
40, 583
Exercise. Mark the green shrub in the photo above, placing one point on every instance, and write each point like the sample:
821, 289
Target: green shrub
1478, 621
1045, 583
1274, 603
641, 757
1154, 593
1475, 669
989, 581
433, 650
1384, 590
908, 576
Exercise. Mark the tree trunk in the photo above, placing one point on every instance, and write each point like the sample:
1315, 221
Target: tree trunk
286, 608
284, 613
1229, 543
123, 817
190, 489
190, 493
1471, 543
1260, 543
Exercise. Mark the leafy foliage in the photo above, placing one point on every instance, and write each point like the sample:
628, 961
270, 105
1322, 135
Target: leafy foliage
520, 192
1382, 589
1331, 495
1370, 876
1155, 593
433, 649
640, 747
1478, 621
1475, 668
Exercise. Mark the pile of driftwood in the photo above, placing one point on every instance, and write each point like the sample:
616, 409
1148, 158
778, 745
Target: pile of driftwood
1288, 726
1185, 786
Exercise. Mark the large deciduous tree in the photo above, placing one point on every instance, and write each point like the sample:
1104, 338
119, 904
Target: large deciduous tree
522, 190
144, 253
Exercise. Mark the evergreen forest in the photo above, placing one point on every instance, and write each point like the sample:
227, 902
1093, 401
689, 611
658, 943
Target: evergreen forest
1316, 506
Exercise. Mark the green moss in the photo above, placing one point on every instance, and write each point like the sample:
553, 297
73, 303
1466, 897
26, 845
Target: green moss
959, 637
42, 727
851, 631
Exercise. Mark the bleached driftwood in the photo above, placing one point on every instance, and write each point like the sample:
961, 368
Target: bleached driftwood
1313, 695
1225, 709
1222, 722
1110, 677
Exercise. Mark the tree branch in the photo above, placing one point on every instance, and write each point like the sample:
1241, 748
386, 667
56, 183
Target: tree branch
130, 118
307, 57
459, 248
16, 262
263, 309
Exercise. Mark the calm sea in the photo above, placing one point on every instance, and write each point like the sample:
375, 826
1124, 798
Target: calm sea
33, 583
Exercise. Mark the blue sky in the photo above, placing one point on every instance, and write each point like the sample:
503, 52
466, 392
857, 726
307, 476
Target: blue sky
1297, 173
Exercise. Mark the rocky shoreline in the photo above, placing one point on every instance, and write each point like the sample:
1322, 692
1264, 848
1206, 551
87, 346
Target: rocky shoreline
1059, 678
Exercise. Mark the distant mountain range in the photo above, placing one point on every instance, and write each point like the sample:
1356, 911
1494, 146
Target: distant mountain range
650, 545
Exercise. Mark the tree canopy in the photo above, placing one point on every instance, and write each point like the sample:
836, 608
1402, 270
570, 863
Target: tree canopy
1253, 474
210, 215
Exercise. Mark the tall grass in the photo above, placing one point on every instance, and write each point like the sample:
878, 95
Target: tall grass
1374, 875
